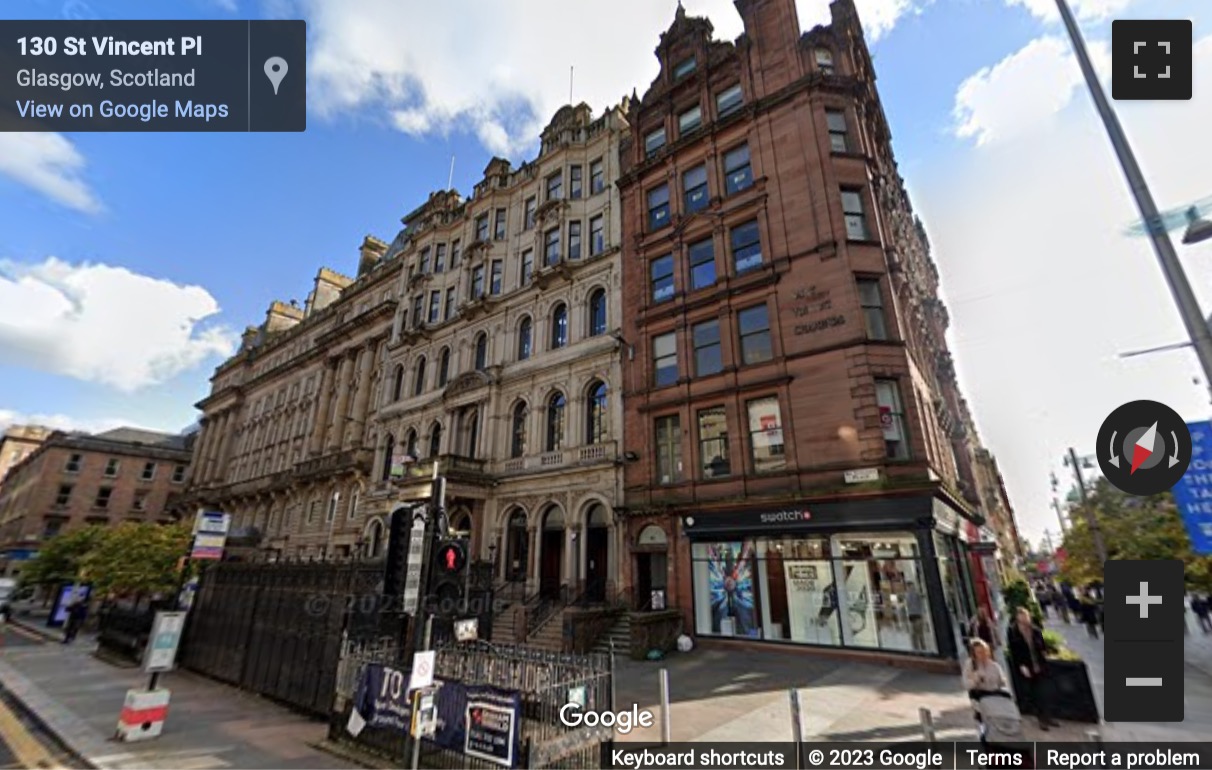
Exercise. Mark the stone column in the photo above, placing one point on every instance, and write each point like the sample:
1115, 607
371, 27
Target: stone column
320, 426
205, 436
229, 425
336, 429
212, 448
361, 405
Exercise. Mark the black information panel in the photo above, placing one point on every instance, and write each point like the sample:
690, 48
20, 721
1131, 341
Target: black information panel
153, 75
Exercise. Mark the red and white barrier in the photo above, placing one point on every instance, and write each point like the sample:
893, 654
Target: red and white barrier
142, 715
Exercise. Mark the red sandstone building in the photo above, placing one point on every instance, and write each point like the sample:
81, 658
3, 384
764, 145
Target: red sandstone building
793, 424
72, 480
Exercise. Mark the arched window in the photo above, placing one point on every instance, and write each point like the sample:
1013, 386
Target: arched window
525, 336
595, 413
597, 313
444, 368
389, 448
411, 444
555, 421
397, 389
517, 435
481, 352
374, 538
419, 385
559, 326
435, 439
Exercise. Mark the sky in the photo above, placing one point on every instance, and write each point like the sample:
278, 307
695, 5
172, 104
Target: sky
130, 263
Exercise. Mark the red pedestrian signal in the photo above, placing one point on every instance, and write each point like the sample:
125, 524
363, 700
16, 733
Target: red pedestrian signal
452, 556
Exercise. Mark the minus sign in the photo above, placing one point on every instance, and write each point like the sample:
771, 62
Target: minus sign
1144, 681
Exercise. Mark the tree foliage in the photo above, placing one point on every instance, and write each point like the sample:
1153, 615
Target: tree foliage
60, 558
1132, 528
131, 558
137, 558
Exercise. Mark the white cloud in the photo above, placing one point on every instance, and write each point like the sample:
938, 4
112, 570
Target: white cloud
441, 67
1023, 92
105, 324
1045, 290
1084, 10
50, 164
63, 422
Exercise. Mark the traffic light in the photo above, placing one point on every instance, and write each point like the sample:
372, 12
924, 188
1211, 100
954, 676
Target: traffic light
447, 576
397, 551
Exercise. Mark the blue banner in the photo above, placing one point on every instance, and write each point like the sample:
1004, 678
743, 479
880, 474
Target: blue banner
381, 699
480, 721
1193, 492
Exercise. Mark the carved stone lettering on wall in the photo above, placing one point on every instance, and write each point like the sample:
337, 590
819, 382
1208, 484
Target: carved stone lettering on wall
813, 311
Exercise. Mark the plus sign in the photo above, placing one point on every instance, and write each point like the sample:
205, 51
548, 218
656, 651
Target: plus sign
1144, 600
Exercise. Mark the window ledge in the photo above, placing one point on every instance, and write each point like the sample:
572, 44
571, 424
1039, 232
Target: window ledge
864, 242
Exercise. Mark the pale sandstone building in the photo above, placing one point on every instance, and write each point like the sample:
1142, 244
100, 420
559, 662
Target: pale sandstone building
286, 441
19, 442
505, 362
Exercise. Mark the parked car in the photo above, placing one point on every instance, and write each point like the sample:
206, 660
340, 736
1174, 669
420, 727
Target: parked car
8, 592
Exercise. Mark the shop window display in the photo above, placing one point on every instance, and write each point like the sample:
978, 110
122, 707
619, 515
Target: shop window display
863, 591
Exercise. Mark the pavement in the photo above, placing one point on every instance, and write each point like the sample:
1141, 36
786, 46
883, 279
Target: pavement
209, 725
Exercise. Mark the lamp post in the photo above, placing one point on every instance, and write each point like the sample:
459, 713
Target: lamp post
1172, 269
1096, 532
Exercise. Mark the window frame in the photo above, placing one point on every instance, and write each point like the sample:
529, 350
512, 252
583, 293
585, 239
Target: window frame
874, 315
898, 419
552, 247
435, 306
701, 191
553, 186
576, 182
530, 211
667, 454
723, 109
482, 225
736, 250
144, 476
480, 354
731, 185
500, 224
597, 181
496, 277
697, 262
439, 258
696, 122
752, 433
113, 467
651, 144
661, 210
670, 276
681, 70
597, 413
860, 216
559, 327
451, 302
597, 235
556, 421
524, 352
661, 360
706, 471
743, 336
839, 139
477, 282
526, 267
597, 297
574, 239
699, 344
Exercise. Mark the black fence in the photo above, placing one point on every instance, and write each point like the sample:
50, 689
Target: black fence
545, 680
276, 629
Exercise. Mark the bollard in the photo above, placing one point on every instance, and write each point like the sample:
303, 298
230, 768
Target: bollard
666, 720
927, 724
1095, 737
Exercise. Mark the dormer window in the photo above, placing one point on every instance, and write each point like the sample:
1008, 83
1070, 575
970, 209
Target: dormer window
824, 61
654, 141
729, 100
690, 120
683, 68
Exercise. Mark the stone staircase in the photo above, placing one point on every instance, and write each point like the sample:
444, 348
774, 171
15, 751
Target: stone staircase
503, 624
619, 633
550, 635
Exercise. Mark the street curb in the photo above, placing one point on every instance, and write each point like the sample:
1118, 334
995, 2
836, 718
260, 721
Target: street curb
44, 633
77, 735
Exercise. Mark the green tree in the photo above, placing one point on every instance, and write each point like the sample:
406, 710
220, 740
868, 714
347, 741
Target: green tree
1132, 528
60, 558
137, 558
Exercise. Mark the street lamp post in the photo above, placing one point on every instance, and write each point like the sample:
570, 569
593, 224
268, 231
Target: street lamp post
1172, 269
1096, 532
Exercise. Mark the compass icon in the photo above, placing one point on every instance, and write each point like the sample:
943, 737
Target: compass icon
1144, 448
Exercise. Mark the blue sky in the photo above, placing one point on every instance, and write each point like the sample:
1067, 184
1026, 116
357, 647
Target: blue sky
104, 237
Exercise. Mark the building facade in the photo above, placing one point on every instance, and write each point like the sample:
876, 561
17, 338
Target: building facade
792, 416
19, 442
504, 364
287, 441
75, 479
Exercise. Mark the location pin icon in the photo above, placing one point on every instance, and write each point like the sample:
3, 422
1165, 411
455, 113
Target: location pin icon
275, 70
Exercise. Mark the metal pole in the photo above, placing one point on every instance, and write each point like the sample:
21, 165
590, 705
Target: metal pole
797, 727
1096, 532
666, 720
1172, 269
416, 740
1060, 516
927, 720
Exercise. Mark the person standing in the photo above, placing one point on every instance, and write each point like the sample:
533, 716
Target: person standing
914, 608
77, 610
1061, 604
1199, 605
1089, 613
1026, 643
983, 630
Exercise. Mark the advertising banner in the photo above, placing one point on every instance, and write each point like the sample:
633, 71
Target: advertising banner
480, 721
1193, 493
381, 700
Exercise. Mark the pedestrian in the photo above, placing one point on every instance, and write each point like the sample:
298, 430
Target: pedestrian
1201, 608
1026, 644
1043, 597
1061, 604
914, 608
77, 610
981, 673
982, 629
1089, 615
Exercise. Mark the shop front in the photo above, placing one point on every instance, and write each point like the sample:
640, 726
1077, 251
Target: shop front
883, 574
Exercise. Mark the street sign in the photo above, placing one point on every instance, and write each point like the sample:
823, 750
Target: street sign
208, 547
161, 654
412, 574
862, 475
212, 523
422, 669
1193, 492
